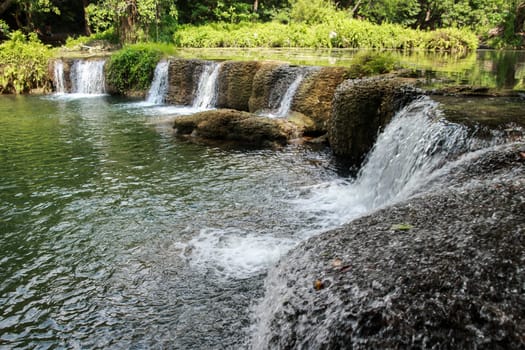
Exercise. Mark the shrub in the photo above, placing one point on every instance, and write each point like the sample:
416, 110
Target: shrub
24, 61
132, 68
339, 32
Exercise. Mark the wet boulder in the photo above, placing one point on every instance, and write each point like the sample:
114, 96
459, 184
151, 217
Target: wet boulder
183, 79
235, 84
237, 126
264, 82
443, 270
361, 107
315, 95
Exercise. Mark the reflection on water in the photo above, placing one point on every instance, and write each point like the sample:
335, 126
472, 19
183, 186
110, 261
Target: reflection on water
115, 235
495, 69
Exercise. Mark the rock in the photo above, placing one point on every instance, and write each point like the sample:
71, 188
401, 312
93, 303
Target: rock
236, 83
183, 78
232, 125
314, 97
454, 281
265, 81
360, 108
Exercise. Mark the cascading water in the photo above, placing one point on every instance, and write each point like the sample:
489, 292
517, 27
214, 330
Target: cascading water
286, 101
207, 88
416, 148
87, 77
406, 156
159, 85
58, 71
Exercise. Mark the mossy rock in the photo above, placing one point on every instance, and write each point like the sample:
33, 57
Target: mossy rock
238, 126
269, 85
361, 107
315, 95
183, 79
236, 83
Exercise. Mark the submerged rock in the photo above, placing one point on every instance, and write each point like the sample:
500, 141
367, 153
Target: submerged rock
238, 126
360, 108
454, 279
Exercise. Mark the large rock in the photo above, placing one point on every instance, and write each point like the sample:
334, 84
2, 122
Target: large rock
445, 270
183, 79
235, 84
360, 108
232, 125
270, 84
315, 95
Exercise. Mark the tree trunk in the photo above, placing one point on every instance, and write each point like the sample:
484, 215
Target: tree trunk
255, 5
520, 18
87, 30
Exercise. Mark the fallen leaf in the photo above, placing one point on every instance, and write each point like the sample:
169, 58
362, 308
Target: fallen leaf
318, 285
401, 227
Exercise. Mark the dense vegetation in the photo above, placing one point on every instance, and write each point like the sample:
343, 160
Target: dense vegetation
131, 69
499, 22
24, 64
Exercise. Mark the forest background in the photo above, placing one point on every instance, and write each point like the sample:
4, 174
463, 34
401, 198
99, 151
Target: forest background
497, 23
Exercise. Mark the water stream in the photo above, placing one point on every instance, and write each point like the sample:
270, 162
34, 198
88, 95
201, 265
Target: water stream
58, 74
207, 87
159, 85
286, 102
87, 77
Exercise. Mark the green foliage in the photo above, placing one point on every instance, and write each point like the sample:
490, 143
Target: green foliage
99, 18
131, 69
339, 32
24, 63
312, 11
4, 29
108, 35
372, 63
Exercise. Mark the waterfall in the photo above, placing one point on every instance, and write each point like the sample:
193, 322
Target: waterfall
59, 77
406, 155
286, 101
207, 88
87, 77
159, 85
412, 152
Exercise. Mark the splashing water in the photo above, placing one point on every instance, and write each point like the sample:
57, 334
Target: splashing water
207, 88
87, 77
159, 86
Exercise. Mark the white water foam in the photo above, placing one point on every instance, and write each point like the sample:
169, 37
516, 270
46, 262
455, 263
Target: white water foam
87, 78
207, 88
58, 70
416, 143
235, 253
159, 86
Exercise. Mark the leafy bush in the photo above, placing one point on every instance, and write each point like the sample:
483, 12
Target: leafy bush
24, 60
132, 68
339, 32
371, 63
